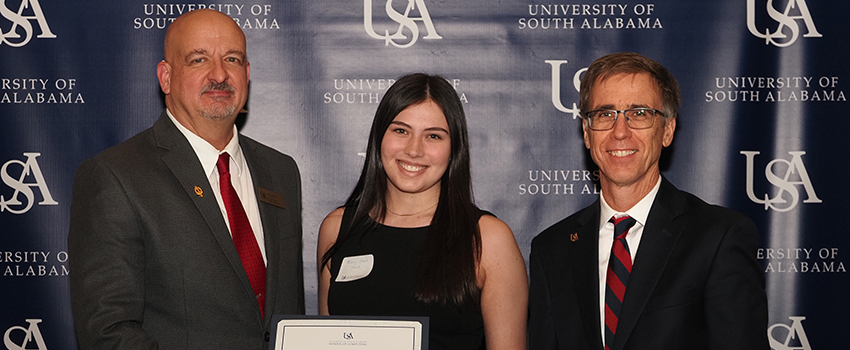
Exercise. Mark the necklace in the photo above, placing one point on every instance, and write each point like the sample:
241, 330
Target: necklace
412, 214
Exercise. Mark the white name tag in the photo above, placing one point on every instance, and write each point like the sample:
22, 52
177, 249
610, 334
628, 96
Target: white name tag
355, 267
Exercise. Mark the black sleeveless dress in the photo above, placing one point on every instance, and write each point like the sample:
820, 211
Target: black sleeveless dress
388, 290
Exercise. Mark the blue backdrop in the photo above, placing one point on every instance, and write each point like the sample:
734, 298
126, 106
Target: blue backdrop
764, 97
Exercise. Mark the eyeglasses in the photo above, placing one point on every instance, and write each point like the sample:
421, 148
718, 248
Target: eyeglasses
636, 118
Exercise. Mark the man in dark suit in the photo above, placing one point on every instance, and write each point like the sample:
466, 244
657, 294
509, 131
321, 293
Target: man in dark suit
647, 266
188, 235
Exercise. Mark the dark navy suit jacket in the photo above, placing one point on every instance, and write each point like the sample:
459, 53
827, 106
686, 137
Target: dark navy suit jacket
695, 282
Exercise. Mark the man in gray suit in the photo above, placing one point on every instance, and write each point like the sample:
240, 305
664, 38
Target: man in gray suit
165, 225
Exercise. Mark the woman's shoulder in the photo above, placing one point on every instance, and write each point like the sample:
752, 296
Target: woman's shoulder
501, 260
336, 214
334, 217
494, 230
329, 228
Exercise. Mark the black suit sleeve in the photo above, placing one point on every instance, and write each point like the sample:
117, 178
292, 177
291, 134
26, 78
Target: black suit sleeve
735, 299
106, 259
541, 325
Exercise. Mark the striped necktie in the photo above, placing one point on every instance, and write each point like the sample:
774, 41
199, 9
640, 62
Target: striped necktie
619, 269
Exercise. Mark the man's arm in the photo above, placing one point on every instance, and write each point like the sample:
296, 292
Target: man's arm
541, 325
735, 299
106, 248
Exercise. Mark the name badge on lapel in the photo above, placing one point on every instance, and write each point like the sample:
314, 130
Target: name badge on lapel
271, 197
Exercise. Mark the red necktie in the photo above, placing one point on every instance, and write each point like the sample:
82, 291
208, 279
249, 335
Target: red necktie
619, 269
243, 235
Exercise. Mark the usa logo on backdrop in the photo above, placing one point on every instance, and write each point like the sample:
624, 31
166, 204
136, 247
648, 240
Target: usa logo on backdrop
793, 338
546, 182
590, 17
28, 14
787, 22
407, 32
787, 178
794, 260
16, 181
576, 181
246, 16
20, 337
40, 91
556, 87
371, 90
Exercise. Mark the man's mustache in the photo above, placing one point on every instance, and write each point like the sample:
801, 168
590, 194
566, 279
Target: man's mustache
222, 86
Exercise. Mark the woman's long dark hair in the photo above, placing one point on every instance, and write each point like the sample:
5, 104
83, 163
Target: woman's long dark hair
452, 248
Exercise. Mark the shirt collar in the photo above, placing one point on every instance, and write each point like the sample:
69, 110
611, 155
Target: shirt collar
207, 154
640, 211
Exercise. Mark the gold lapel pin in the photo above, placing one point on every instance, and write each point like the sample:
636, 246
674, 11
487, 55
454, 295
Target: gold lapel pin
199, 192
574, 237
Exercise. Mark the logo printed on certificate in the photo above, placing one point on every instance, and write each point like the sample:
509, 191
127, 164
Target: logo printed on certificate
355, 267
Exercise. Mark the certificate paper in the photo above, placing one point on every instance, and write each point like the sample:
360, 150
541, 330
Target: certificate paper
344, 332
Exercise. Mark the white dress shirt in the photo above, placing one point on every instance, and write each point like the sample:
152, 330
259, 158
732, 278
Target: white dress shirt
240, 177
606, 239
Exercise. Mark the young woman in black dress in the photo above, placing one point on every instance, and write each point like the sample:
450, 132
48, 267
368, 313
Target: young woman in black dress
410, 241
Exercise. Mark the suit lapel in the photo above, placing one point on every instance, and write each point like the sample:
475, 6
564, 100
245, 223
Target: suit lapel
659, 238
181, 159
586, 273
262, 178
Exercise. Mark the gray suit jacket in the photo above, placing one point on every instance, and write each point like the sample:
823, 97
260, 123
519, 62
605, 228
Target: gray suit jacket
695, 283
153, 263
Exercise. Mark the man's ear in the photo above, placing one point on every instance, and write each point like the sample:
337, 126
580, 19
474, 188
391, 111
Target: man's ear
163, 73
586, 136
669, 130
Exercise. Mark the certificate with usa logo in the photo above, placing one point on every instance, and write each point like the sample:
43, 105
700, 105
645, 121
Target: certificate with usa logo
349, 332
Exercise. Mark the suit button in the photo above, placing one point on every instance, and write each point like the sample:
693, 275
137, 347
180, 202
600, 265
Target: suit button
266, 336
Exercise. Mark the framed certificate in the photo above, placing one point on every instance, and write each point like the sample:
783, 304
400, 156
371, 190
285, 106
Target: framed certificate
349, 332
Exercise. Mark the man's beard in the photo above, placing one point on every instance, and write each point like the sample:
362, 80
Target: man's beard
218, 112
